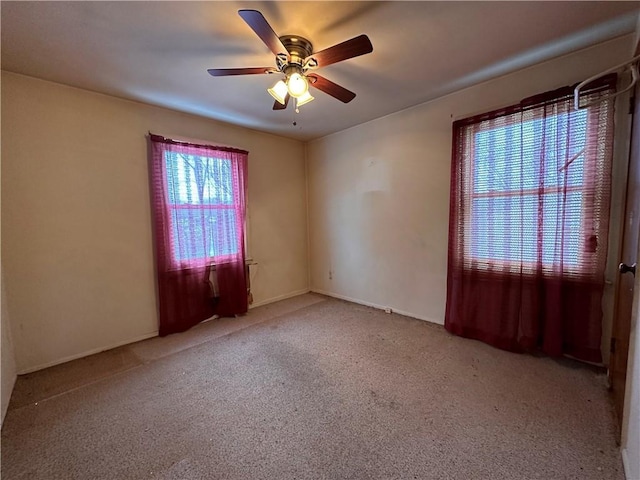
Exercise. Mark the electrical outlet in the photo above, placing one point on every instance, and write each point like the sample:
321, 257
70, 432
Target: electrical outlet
387, 310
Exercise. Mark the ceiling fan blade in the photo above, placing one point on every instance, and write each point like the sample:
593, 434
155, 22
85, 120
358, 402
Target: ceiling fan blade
224, 72
278, 106
259, 24
330, 88
349, 49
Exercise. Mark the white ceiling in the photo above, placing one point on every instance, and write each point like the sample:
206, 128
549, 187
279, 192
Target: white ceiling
159, 52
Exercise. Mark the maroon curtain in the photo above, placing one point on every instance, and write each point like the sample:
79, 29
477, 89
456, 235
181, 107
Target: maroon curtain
529, 218
198, 206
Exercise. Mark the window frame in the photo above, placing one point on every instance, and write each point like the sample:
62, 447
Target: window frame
486, 263
202, 207
165, 210
464, 146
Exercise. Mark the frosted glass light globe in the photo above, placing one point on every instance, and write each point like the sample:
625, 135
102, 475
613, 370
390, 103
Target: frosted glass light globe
278, 91
297, 85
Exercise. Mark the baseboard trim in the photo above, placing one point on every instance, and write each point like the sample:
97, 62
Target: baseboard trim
255, 305
377, 306
42, 366
279, 297
86, 353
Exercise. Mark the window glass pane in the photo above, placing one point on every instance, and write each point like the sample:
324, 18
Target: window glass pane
537, 153
495, 152
492, 234
221, 232
198, 180
506, 228
209, 232
562, 229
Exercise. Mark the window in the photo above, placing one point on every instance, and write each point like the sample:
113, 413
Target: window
201, 195
535, 189
198, 195
533, 185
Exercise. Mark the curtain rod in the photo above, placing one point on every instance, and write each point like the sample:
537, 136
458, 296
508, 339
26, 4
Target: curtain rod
179, 139
631, 64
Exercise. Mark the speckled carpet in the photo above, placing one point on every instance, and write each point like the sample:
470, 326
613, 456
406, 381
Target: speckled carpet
311, 388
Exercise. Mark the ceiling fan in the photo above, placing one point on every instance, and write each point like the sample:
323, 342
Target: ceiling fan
296, 59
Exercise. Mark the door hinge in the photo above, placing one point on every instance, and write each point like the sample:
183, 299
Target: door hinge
632, 105
612, 348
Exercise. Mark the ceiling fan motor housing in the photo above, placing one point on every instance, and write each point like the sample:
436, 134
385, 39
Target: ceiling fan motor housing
299, 48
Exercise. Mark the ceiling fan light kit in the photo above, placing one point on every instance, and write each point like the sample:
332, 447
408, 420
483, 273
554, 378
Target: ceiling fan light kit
296, 59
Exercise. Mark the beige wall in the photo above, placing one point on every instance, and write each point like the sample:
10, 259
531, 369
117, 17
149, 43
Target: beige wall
76, 245
379, 192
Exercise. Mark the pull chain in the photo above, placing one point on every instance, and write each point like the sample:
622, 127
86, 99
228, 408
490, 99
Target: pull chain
296, 110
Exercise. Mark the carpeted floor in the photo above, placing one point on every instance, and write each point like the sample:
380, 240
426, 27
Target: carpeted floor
311, 388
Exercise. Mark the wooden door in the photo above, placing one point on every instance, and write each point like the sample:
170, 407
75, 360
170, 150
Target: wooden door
624, 292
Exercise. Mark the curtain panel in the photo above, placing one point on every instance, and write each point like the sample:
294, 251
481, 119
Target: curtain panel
199, 212
529, 222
